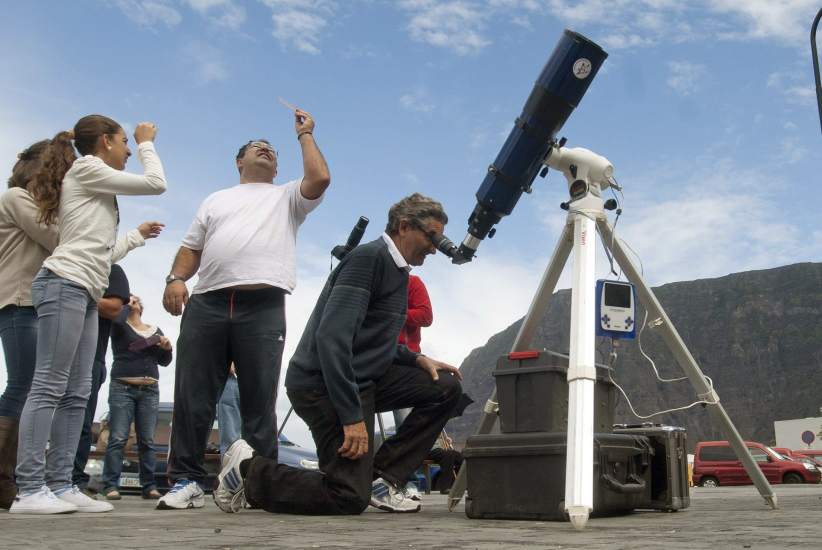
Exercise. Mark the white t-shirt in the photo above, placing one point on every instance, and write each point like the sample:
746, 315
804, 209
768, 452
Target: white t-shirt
248, 235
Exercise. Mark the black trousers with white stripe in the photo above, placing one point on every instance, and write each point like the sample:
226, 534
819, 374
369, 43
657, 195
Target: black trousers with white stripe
246, 327
343, 486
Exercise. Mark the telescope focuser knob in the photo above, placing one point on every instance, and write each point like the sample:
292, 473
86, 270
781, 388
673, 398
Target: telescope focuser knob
565, 205
543, 172
610, 204
492, 232
562, 141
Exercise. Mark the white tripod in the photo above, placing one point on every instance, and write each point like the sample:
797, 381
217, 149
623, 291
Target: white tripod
588, 175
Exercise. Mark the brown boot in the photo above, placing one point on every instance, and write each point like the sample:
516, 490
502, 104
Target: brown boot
8, 460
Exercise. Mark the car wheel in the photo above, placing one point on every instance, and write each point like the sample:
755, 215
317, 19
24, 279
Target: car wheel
709, 481
792, 477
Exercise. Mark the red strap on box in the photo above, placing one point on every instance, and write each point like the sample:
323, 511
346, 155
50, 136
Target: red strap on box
520, 355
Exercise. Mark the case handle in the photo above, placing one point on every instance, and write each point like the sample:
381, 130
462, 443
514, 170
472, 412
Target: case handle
633, 485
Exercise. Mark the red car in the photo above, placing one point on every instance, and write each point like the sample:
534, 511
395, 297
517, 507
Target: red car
716, 464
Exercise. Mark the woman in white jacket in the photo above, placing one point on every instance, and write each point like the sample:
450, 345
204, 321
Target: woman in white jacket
65, 292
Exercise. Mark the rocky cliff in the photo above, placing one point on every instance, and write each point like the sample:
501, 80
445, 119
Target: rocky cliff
757, 334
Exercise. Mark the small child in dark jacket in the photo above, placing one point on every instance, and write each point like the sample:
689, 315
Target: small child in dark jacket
134, 395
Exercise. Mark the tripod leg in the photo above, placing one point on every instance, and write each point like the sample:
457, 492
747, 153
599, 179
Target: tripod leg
382, 427
536, 312
579, 466
688, 363
282, 426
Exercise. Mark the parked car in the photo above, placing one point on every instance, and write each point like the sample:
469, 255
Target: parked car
799, 456
815, 460
715, 463
289, 453
815, 454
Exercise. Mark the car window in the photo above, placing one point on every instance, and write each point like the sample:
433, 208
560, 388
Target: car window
717, 453
758, 454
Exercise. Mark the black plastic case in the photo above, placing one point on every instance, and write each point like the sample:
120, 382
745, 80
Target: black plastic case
669, 472
533, 394
522, 476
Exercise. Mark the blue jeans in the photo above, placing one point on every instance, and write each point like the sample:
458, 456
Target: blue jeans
79, 476
127, 403
54, 410
229, 419
18, 330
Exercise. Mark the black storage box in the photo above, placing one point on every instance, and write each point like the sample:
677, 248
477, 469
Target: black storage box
669, 466
532, 392
522, 476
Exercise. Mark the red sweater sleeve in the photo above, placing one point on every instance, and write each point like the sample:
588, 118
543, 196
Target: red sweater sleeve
420, 313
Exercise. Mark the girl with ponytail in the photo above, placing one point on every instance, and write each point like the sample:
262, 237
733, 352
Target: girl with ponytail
65, 291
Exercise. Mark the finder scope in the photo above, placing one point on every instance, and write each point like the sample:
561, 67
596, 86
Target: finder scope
354, 239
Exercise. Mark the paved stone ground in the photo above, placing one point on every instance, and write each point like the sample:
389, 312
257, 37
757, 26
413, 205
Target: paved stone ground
726, 518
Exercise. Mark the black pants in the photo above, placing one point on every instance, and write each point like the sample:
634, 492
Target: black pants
243, 326
343, 486
79, 476
449, 462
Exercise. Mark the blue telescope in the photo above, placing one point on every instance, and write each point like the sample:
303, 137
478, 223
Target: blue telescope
558, 90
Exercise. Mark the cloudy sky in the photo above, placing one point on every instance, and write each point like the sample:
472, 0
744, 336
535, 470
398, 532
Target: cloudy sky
706, 109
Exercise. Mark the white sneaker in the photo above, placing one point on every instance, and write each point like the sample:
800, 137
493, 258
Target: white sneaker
386, 497
83, 502
185, 494
412, 492
41, 502
229, 495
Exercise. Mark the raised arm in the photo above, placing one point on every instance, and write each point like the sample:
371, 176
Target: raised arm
186, 263
102, 178
316, 176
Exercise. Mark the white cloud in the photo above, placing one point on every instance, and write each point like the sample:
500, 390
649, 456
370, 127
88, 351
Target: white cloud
224, 13
685, 77
787, 20
150, 13
300, 24
619, 41
417, 101
637, 23
473, 302
456, 25
207, 61
795, 86
721, 220
791, 150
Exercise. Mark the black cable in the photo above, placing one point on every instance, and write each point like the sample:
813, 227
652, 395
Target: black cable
816, 64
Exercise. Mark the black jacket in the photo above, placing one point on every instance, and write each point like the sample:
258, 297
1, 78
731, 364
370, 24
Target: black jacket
129, 362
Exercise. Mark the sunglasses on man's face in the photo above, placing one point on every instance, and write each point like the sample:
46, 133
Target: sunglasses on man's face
263, 147
430, 233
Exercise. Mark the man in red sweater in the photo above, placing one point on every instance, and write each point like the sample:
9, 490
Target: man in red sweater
419, 314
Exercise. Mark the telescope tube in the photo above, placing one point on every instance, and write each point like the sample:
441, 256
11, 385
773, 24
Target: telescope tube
556, 93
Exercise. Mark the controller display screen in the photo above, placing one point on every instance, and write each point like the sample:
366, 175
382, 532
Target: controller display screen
617, 295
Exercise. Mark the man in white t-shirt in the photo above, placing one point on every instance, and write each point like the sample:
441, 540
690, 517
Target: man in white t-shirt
242, 245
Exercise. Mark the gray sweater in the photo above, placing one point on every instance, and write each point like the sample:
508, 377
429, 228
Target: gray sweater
351, 337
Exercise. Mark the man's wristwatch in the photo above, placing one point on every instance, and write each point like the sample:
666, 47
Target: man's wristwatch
171, 277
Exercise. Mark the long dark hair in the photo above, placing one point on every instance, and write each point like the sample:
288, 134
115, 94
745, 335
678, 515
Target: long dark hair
28, 163
48, 182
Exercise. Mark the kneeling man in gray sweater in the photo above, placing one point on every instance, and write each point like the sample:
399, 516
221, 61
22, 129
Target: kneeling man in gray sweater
348, 366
